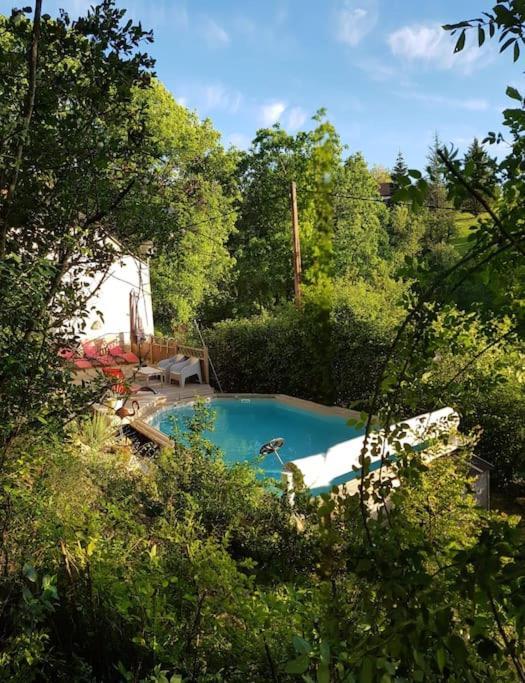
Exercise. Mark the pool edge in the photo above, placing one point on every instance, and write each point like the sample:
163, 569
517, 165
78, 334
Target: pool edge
152, 411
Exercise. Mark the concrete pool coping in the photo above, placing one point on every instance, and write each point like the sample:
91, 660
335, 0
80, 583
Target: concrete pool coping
312, 406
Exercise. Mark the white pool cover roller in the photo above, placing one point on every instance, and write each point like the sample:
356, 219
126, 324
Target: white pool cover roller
323, 470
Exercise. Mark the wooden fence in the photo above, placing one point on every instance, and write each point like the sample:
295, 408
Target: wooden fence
155, 349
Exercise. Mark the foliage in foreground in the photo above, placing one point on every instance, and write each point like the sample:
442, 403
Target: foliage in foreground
74, 145
113, 571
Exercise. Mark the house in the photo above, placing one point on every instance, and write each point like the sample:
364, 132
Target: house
121, 306
386, 190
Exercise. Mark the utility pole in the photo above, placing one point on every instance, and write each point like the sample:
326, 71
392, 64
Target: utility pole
297, 268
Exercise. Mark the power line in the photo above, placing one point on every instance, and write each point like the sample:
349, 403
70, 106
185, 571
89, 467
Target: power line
375, 200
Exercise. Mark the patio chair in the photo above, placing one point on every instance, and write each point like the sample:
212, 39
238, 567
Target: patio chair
183, 371
168, 363
121, 387
121, 356
92, 353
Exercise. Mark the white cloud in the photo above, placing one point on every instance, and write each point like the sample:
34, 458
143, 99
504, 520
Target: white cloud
429, 43
271, 113
355, 19
384, 72
239, 140
209, 97
217, 96
213, 33
296, 117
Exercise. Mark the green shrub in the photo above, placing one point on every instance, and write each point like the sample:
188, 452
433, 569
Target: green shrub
195, 569
501, 415
328, 351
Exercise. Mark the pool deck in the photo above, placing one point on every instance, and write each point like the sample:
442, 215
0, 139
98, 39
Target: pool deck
167, 394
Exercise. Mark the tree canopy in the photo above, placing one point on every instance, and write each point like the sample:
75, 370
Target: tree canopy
186, 206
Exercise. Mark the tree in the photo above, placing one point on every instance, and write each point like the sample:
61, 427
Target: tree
480, 170
435, 168
406, 228
74, 146
381, 174
440, 220
399, 171
414, 351
262, 243
360, 240
186, 207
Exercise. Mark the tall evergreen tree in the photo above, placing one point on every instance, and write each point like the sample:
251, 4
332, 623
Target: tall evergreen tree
435, 170
400, 169
440, 223
480, 168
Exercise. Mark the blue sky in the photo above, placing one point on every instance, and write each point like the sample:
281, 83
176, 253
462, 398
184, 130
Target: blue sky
383, 69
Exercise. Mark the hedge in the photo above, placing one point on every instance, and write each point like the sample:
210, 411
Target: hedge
324, 353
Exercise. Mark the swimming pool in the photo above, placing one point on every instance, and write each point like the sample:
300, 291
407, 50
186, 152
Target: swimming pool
242, 426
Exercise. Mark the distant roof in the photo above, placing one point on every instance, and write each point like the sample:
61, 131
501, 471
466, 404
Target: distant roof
386, 190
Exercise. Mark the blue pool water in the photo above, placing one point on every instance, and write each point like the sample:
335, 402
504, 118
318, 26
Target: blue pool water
243, 426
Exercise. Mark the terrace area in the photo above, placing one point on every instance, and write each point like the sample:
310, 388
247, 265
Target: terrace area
149, 353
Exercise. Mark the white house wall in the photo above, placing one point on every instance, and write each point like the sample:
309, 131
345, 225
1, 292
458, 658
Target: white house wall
109, 314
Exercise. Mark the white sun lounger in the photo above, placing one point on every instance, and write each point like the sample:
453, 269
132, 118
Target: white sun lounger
167, 363
184, 370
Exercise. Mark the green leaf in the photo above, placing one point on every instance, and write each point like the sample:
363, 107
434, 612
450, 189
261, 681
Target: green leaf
323, 673
326, 509
457, 647
324, 651
506, 44
301, 645
516, 51
461, 42
367, 670
441, 657
297, 665
30, 572
512, 92
481, 36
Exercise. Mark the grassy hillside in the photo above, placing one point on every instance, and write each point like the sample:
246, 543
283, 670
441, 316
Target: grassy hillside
464, 223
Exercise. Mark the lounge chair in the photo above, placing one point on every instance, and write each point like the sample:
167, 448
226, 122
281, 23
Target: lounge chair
183, 371
168, 363
92, 353
121, 387
121, 356
80, 363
